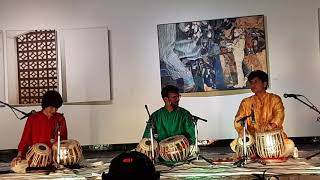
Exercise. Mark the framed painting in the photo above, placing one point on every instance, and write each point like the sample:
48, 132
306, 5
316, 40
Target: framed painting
212, 55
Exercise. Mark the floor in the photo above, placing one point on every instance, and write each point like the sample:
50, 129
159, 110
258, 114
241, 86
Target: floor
97, 161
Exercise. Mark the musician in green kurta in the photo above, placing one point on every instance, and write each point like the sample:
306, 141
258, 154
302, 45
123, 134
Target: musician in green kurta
168, 124
171, 120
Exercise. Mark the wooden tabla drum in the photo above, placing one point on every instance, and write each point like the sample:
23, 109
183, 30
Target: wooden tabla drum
39, 155
250, 146
70, 152
270, 145
145, 147
174, 148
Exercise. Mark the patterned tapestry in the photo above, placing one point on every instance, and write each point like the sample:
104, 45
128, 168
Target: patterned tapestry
37, 65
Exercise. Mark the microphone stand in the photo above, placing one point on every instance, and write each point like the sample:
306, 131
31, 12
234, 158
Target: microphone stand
313, 108
244, 158
151, 125
59, 166
57, 130
195, 121
13, 108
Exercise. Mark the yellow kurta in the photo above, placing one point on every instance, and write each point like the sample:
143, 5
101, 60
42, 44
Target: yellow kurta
268, 110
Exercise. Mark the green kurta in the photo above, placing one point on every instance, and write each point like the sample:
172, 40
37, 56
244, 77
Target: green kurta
168, 124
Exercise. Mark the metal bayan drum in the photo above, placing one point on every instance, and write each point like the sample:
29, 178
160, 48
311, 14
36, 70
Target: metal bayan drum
145, 147
250, 146
174, 148
70, 152
270, 145
39, 155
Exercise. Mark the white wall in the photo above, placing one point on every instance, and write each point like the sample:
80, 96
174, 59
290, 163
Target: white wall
293, 45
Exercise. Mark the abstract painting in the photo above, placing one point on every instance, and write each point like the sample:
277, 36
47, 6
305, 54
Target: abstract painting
211, 55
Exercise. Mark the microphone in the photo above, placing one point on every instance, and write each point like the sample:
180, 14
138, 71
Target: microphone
198, 118
54, 132
147, 110
28, 114
151, 122
253, 120
285, 95
56, 128
243, 118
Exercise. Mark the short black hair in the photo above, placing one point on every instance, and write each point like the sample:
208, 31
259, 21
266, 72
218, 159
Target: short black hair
51, 98
131, 165
261, 75
169, 89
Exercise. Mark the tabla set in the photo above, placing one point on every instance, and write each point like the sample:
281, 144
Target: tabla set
269, 146
173, 149
40, 155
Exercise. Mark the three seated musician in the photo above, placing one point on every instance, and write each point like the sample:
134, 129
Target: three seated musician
41, 126
268, 112
172, 120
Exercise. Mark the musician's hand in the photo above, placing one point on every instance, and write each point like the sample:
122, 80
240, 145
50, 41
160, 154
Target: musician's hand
271, 126
262, 128
274, 125
18, 164
267, 127
15, 161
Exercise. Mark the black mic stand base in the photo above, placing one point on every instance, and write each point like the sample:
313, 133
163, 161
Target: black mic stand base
309, 157
196, 158
240, 163
313, 155
207, 160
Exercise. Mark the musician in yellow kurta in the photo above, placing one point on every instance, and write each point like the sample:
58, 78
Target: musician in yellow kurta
268, 111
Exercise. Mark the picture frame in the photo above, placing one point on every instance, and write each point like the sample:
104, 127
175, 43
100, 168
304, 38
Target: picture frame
208, 57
